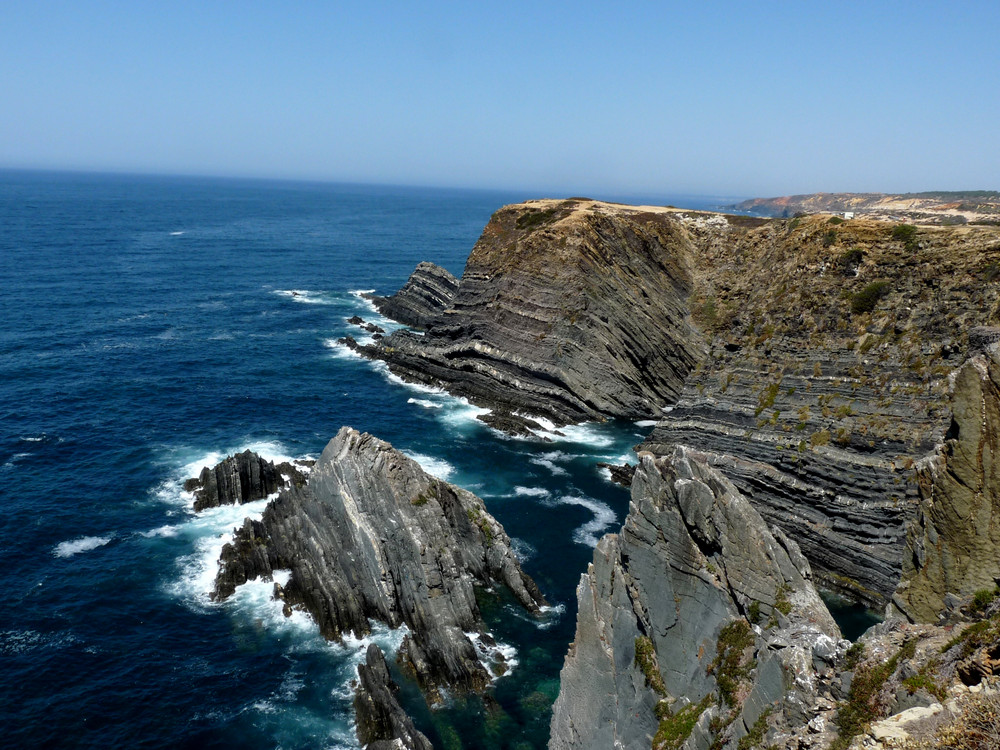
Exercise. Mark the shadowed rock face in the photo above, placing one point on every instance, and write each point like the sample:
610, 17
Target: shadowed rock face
427, 293
693, 560
571, 310
240, 479
371, 535
382, 723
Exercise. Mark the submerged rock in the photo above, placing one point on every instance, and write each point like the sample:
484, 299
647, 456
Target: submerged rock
382, 723
242, 478
373, 536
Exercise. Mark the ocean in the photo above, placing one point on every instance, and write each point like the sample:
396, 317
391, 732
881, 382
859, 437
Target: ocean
154, 325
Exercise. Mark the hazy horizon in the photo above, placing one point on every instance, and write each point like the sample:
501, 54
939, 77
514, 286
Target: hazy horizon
585, 99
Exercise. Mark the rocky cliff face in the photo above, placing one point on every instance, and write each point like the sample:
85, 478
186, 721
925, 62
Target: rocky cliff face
953, 547
571, 310
810, 359
371, 535
827, 380
696, 619
241, 478
428, 292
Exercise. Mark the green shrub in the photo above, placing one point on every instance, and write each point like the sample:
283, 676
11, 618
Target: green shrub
645, 659
865, 300
907, 234
862, 705
849, 261
834, 220
729, 666
674, 729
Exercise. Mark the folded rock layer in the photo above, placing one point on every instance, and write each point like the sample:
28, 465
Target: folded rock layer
373, 536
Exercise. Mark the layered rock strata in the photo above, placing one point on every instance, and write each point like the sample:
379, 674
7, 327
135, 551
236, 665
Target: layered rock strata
570, 310
828, 378
427, 293
382, 724
242, 478
695, 612
373, 536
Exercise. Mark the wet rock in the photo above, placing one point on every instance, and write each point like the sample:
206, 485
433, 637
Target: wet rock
241, 478
620, 473
382, 724
373, 536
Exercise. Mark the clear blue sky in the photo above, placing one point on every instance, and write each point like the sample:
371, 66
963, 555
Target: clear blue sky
722, 98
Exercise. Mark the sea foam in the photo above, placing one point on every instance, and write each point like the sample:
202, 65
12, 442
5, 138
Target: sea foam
590, 532
83, 544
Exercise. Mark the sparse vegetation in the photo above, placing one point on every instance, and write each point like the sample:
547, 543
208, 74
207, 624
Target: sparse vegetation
645, 659
535, 218
674, 728
907, 234
863, 703
729, 665
865, 300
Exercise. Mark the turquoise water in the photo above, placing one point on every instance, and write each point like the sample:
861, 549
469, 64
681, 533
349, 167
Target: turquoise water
149, 329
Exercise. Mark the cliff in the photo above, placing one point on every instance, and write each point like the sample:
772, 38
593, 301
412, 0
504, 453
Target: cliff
372, 536
695, 618
828, 379
812, 360
427, 293
944, 207
571, 310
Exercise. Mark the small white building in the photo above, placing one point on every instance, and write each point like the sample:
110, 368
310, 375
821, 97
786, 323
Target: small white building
848, 214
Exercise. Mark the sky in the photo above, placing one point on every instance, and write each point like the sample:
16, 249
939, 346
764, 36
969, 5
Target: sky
555, 98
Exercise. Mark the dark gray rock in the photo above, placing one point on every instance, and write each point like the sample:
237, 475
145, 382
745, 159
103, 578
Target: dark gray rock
428, 292
620, 473
382, 724
571, 310
373, 536
239, 479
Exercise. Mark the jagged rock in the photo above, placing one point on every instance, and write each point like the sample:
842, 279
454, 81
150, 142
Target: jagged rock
819, 410
360, 322
692, 563
571, 310
239, 479
952, 548
371, 535
428, 292
382, 724
620, 473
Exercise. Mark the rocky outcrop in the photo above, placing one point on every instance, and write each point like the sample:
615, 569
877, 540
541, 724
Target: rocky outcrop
373, 536
952, 549
428, 292
570, 310
242, 478
827, 382
696, 615
382, 724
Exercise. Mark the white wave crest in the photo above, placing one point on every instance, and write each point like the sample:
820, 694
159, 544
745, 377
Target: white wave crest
83, 544
436, 467
494, 658
427, 404
305, 296
531, 492
590, 532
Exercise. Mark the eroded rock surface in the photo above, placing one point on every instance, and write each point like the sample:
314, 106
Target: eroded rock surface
953, 547
382, 724
570, 310
696, 606
428, 292
373, 536
242, 478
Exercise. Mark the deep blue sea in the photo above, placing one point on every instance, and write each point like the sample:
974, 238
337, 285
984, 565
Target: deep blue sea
150, 326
